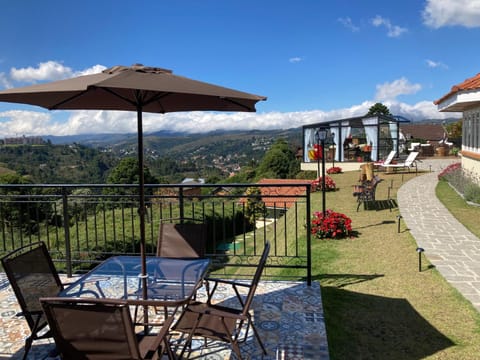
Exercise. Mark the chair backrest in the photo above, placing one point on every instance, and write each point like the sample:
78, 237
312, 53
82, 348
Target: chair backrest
256, 278
390, 157
32, 275
182, 240
85, 328
411, 158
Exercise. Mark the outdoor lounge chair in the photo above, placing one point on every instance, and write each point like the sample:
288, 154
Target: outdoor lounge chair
410, 161
99, 329
387, 160
181, 240
32, 275
219, 322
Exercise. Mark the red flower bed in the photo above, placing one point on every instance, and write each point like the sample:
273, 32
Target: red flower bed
334, 170
334, 225
450, 169
329, 184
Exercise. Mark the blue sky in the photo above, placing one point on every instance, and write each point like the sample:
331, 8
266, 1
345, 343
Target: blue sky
314, 60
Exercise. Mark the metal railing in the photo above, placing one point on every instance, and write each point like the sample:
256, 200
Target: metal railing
83, 224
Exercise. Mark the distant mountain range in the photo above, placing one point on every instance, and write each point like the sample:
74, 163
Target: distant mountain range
108, 140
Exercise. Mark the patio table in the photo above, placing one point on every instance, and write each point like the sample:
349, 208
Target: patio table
171, 282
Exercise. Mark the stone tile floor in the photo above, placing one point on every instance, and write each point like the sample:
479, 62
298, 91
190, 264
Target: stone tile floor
288, 315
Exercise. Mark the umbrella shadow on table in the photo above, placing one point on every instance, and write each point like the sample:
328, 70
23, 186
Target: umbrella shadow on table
38, 351
378, 327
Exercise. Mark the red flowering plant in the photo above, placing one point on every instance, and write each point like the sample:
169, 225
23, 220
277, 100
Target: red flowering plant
329, 184
334, 225
449, 171
334, 170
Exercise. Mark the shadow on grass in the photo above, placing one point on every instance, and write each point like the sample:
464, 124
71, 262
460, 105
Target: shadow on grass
379, 205
384, 222
361, 326
341, 280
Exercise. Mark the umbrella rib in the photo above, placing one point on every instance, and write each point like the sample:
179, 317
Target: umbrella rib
237, 103
156, 97
140, 100
120, 96
57, 105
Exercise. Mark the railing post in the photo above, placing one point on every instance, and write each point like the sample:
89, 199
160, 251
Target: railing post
181, 202
66, 229
309, 242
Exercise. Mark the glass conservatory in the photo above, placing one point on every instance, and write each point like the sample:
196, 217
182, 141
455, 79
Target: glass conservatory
359, 139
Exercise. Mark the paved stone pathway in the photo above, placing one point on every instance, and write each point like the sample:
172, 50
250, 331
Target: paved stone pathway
448, 245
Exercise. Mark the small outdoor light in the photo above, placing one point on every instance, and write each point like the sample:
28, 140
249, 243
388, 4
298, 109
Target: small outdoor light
398, 218
320, 137
420, 251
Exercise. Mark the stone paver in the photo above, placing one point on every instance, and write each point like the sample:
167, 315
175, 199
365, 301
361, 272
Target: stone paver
288, 315
448, 245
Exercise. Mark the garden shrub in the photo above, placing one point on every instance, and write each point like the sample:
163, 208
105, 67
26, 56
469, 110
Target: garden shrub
465, 183
334, 225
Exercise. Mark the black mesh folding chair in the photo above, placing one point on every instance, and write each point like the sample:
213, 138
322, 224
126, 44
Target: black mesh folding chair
32, 275
223, 323
183, 239
101, 329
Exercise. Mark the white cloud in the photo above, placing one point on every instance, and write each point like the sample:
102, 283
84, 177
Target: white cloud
435, 64
392, 30
30, 123
4, 82
347, 22
296, 59
439, 13
20, 122
49, 71
92, 70
390, 91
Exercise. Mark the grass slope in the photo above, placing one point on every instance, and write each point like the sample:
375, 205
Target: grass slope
377, 304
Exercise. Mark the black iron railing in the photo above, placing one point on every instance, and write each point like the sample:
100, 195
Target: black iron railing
84, 224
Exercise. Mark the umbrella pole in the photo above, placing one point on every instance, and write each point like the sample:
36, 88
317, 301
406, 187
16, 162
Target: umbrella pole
141, 212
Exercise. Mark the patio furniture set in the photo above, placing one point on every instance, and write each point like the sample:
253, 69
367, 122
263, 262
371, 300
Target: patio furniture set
100, 316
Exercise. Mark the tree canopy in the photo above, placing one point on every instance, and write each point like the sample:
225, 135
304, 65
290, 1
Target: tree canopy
378, 109
279, 162
126, 172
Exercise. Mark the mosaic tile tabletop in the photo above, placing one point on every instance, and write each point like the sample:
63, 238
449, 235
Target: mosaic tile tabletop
288, 316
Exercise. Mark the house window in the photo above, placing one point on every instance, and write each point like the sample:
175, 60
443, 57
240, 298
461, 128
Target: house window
471, 130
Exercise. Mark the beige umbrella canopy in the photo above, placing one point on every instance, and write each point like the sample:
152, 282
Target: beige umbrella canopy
136, 88
152, 89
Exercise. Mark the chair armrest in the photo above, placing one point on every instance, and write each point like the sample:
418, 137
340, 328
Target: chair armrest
228, 282
225, 313
232, 283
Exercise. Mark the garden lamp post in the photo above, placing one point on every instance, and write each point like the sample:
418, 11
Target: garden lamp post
332, 138
320, 137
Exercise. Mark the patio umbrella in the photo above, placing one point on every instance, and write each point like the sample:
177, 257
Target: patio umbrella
135, 88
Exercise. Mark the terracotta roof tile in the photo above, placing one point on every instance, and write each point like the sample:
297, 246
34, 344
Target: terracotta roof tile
269, 193
472, 83
434, 132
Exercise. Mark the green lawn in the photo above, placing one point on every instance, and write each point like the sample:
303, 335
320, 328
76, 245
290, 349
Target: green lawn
377, 304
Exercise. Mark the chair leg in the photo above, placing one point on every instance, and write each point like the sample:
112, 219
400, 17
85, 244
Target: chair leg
257, 335
28, 345
358, 205
236, 350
